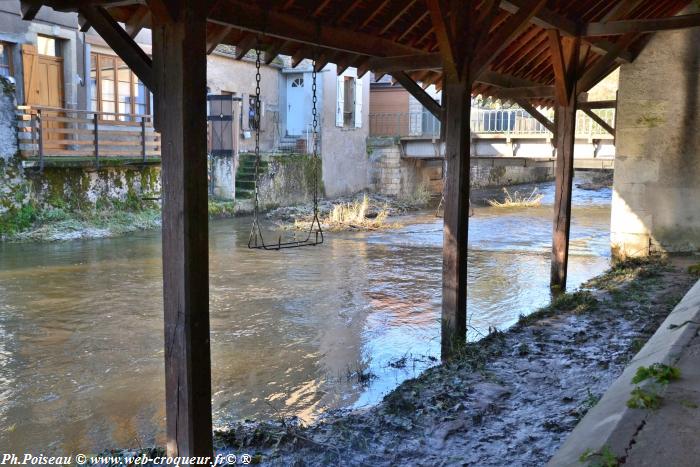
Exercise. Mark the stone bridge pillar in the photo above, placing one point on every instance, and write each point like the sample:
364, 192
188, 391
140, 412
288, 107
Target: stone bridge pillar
656, 198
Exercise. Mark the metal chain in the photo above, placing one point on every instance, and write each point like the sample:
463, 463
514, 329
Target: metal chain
314, 112
256, 119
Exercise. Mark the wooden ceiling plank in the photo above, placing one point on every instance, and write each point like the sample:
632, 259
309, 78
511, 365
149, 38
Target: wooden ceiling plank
396, 15
413, 25
508, 32
373, 14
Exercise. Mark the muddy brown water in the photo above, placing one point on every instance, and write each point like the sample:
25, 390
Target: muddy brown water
293, 333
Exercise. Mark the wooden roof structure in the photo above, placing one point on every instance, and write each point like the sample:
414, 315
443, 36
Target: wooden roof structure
400, 36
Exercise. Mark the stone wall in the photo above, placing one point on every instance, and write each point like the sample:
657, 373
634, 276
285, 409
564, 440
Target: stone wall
86, 187
656, 191
391, 174
289, 180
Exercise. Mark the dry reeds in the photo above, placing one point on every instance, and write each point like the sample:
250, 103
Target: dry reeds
516, 200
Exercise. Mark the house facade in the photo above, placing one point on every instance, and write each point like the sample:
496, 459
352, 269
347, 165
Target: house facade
53, 64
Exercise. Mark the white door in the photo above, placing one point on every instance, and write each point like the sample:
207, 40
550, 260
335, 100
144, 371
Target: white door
296, 111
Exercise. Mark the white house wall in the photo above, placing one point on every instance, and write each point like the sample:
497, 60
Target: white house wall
344, 150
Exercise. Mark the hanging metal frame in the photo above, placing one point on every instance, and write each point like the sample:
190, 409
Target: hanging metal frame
314, 235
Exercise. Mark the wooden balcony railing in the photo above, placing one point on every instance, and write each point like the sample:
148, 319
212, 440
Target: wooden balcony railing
49, 133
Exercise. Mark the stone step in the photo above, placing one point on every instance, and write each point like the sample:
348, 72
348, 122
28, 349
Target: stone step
245, 184
244, 194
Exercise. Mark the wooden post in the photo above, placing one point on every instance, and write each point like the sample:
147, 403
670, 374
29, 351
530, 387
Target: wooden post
457, 104
179, 69
565, 60
565, 121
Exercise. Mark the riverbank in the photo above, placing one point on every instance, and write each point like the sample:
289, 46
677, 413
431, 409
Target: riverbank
509, 399
58, 223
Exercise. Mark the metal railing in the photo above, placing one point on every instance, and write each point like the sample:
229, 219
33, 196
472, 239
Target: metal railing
50, 132
507, 122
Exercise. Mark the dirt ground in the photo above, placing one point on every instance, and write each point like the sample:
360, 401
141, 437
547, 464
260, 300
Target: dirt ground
508, 400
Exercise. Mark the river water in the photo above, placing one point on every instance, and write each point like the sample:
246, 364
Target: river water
296, 332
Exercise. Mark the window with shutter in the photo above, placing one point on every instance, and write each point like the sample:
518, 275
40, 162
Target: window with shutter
340, 102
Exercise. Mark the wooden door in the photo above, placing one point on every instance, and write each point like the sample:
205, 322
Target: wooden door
43, 86
43, 78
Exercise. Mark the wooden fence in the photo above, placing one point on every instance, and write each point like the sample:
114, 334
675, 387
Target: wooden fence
49, 133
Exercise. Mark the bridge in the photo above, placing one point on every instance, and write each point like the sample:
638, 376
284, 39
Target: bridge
503, 133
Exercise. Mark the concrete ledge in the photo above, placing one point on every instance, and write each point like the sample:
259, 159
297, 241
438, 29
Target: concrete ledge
611, 423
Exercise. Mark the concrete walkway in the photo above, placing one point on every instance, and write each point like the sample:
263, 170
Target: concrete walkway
667, 436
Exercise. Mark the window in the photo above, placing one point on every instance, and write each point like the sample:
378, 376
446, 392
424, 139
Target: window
5, 59
114, 88
47, 46
252, 109
348, 113
298, 83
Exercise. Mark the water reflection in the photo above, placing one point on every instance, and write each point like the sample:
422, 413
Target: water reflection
293, 333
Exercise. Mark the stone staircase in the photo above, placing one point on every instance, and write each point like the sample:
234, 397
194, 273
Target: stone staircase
245, 175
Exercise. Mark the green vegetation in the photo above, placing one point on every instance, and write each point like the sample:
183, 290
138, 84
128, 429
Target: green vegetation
644, 399
581, 301
694, 270
660, 372
604, 457
648, 398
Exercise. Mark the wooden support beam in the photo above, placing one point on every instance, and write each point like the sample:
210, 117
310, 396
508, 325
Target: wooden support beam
29, 9
529, 92
596, 118
274, 50
117, 38
179, 53
423, 61
601, 68
566, 68
597, 105
549, 19
445, 41
537, 115
457, 105
638, 26
243, 46
250, 16
416, 91
138, 20
216, 34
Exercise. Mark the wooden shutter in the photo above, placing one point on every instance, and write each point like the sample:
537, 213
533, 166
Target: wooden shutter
340, 101
358, 103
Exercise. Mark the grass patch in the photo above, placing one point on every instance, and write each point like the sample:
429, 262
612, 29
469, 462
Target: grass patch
518, 200
581, 301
